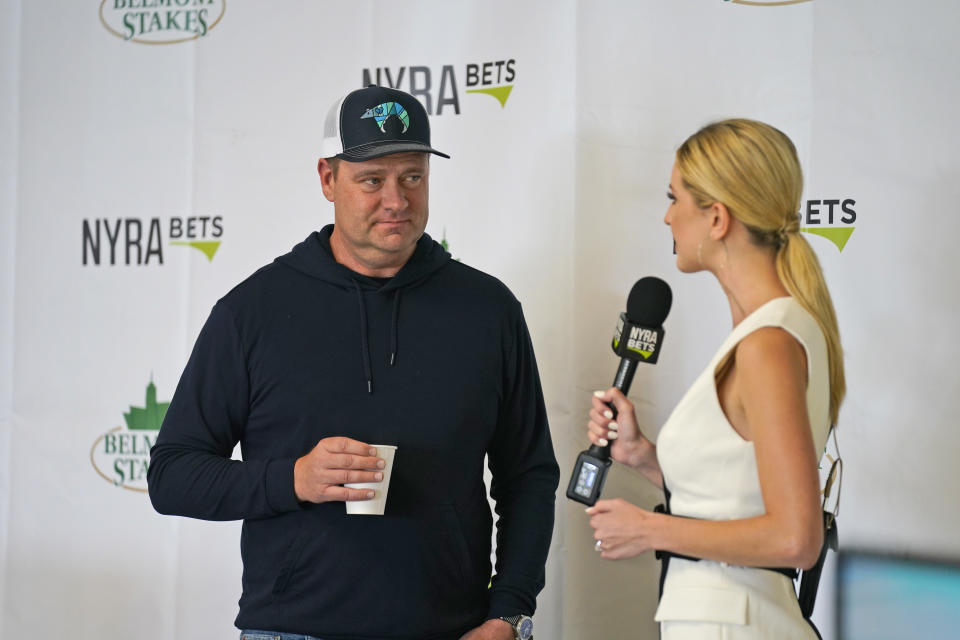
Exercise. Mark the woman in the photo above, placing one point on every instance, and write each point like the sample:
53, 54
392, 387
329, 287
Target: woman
738, 456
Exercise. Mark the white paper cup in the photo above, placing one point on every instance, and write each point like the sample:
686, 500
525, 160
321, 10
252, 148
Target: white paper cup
376, 505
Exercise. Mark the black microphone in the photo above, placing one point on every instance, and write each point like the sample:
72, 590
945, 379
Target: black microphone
637, 338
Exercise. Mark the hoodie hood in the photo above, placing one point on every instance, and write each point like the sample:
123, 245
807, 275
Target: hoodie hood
314, 258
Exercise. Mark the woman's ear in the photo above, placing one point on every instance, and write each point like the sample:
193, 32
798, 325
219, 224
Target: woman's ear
720, 220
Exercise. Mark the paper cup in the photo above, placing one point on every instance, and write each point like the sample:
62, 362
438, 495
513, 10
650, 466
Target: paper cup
376, 505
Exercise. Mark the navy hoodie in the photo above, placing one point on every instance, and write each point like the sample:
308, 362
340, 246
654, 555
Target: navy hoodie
436, 360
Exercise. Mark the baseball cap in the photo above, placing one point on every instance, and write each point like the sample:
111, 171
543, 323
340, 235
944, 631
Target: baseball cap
373, 122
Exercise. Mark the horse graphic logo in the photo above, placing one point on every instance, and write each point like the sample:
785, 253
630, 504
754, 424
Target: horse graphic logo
383, 111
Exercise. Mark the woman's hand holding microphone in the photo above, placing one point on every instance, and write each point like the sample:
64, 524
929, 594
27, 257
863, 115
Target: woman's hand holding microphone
620, 528
627, 445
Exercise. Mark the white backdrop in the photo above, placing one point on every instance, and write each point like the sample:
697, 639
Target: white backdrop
9, 65
559, 192
650, 74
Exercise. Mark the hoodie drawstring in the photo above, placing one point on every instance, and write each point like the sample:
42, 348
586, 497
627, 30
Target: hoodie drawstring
364, 342
364, 339
314, 257
393, 327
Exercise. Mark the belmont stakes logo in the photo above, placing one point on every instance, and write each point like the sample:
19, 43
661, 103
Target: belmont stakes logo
140, 241
161, 21
122, 455
438, 88
830, 218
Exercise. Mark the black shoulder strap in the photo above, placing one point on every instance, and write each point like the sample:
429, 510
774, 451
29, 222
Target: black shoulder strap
810, 578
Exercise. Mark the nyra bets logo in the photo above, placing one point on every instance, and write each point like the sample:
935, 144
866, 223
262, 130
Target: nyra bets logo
641, 341
438, 87
830, 218
140, 241
122, 455
161, 21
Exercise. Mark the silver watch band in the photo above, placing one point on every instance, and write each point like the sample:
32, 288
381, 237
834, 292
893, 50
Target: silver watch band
515, 622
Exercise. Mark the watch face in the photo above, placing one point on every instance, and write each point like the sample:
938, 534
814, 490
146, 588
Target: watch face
525, 628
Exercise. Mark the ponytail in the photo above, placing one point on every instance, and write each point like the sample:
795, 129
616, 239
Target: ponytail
753, 169
800, 272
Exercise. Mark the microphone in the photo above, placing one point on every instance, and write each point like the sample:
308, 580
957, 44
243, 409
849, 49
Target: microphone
637, 338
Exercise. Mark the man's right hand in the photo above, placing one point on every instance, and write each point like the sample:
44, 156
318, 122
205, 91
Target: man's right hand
319, 476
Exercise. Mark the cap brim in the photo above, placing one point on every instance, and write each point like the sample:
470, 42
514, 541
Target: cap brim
380, 149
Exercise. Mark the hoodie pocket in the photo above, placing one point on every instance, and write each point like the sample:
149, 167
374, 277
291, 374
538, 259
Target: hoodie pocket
453, 539
368, 576
291, 560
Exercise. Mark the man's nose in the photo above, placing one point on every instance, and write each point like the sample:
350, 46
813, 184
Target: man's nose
392, 196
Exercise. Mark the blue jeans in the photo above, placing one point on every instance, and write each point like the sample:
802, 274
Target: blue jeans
257, 634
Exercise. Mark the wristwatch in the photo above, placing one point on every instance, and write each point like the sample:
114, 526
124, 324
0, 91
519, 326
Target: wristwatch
522, 626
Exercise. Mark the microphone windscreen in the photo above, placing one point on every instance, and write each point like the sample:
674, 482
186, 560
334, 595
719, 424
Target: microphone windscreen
649, 302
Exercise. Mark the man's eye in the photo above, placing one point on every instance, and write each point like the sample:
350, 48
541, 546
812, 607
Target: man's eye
372, 181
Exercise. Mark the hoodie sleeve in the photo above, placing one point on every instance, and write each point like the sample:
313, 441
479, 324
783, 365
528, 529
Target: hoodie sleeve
191, 472
525, 477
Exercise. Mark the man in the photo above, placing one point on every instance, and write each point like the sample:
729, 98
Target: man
368, 333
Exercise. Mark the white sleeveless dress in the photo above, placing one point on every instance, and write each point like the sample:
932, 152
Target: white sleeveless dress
711, 473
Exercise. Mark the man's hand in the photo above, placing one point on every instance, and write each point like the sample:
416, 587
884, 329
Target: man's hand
319, 475
495, 629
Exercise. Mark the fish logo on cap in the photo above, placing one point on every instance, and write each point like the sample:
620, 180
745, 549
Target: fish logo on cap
383, 111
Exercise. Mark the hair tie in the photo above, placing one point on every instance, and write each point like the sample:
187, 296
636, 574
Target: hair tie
783, 233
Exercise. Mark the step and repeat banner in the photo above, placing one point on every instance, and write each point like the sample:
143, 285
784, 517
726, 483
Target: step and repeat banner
156, 152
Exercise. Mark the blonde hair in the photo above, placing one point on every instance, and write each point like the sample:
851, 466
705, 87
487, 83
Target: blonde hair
753, 169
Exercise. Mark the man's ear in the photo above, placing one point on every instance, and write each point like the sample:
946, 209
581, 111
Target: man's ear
327, 178
720, 220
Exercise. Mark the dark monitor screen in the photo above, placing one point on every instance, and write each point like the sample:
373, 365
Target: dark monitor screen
882, 596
